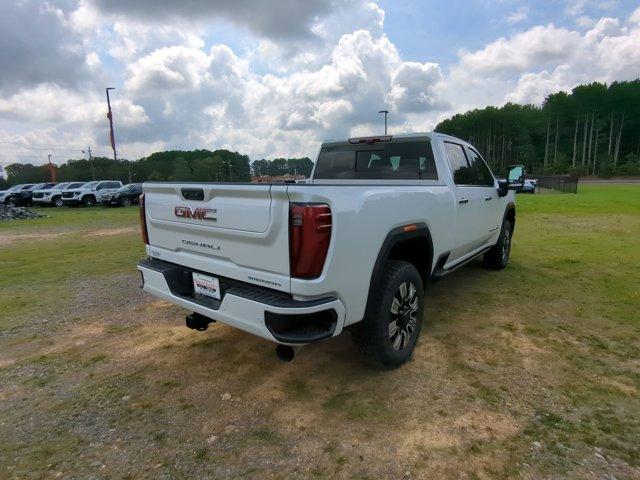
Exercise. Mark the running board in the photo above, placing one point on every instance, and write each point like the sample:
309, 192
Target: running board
440, 271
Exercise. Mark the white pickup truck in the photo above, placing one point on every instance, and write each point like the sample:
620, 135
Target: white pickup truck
89, 193
351, 249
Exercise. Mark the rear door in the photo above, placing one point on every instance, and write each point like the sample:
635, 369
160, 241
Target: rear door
489, 215
470, 203
239, 231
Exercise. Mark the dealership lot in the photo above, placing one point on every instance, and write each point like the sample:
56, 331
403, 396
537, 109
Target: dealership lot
530, 372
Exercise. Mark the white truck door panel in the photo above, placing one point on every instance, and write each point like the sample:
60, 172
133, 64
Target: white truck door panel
470, 201
489, 217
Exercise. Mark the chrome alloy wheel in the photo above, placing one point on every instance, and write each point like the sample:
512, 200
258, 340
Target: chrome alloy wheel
404, 315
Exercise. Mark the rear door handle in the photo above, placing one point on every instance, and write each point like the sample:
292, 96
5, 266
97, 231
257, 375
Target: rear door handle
486, 199
463, 200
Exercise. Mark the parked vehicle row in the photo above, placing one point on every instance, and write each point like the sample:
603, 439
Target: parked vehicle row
72, 194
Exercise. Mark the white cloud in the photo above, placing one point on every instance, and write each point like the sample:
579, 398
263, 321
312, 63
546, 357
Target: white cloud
520, 15
559, 59
279, 19
540, 45
50, 103
577, 7
585, 21
414, 87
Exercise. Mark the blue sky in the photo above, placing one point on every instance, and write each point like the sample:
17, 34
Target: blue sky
273, 78
436, 30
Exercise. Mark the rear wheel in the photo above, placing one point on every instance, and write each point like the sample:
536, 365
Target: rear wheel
57, 201
498, 256
88, 201
125, 202
390, 330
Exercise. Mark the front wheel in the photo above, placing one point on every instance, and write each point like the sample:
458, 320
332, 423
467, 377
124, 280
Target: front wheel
57, 202
125, 202
391, 327
88, 201
498, 256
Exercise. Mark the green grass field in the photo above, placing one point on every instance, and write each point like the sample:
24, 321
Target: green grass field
532, 372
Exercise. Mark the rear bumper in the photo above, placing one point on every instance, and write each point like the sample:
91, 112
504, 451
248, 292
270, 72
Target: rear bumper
263, 312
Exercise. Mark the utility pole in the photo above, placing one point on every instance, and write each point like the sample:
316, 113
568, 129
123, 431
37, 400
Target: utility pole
112, 136
386, 112
93, 172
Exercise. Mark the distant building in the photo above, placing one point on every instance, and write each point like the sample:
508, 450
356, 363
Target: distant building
277, 178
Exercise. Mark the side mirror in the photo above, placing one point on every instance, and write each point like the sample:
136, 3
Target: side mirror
514, 181
515, 177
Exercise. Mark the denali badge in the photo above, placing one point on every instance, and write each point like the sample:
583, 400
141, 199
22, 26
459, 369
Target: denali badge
197, 213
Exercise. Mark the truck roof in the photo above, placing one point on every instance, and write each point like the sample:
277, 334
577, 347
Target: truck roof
400, 136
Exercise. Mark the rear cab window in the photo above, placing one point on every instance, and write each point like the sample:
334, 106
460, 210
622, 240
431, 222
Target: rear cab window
395, 160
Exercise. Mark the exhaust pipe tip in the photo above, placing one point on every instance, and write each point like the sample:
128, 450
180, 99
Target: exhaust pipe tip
285, 353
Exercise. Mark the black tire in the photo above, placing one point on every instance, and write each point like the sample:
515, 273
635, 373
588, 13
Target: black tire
88, 201
498, 256
125, 202
374, 336
57, 202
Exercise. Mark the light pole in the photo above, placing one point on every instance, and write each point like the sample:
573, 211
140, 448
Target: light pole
52, 170
386, 112
112, 136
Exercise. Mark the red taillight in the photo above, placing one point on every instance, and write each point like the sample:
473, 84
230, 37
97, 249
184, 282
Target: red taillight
143, 220
309, 237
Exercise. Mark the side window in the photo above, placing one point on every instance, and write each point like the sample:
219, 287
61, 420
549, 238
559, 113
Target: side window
459, 166
114, 185
481, 173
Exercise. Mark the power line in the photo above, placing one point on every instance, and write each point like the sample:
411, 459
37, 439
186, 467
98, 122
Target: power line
42, 143
55, 149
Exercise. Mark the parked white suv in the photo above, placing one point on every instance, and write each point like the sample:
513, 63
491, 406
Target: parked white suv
89, 194
352, 249
53, 195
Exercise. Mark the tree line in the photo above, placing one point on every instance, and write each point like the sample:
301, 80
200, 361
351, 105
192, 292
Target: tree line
282, 166
173, 165
595, 130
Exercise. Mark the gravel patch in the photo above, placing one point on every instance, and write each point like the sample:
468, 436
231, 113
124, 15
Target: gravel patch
9, 212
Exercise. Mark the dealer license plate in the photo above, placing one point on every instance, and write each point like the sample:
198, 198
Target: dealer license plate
206, 286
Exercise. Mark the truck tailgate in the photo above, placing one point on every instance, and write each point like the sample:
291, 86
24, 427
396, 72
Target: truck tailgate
233, 230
